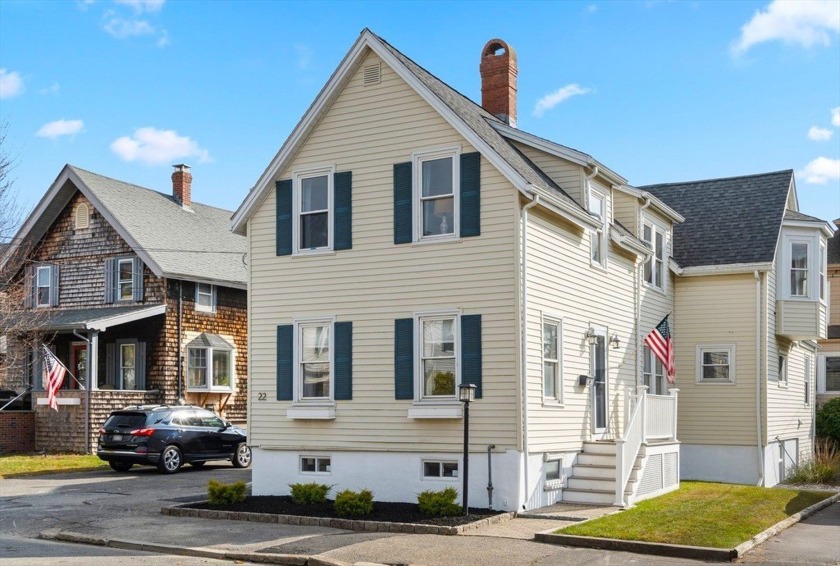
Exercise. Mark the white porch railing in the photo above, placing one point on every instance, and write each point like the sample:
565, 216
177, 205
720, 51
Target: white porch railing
653, 417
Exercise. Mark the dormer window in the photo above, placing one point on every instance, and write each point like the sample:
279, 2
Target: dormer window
804, 263
598, 240
654, 236
205, 297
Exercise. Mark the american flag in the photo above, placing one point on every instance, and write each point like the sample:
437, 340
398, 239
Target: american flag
54, 372
660, 343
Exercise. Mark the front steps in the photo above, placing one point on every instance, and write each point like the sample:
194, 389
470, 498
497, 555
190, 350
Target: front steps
593, 476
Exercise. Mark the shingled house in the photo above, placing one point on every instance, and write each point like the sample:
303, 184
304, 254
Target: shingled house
141, 294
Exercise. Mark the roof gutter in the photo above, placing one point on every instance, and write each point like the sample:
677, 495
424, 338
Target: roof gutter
727, 269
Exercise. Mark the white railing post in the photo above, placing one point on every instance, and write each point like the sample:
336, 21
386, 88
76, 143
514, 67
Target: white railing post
674, 433
628, 406
640, 398
619, 472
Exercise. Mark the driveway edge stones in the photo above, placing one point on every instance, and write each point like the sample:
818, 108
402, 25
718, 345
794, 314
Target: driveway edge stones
683, 551
345, 524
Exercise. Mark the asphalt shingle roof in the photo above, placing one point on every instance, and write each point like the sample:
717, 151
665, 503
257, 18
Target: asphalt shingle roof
730, 220
834, 248
196, 244
794, 215
77, 318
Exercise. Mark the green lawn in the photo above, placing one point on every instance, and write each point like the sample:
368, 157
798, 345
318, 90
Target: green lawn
701, 514
24, 465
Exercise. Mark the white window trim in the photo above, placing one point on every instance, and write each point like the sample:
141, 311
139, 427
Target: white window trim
557, 400
782, 374
118, 282
730, 348
821, 373
317, 407
440, 463
602, 233
417, 159
807, 363
435, 407
120, 385
202, 308
208, 382
815, 247
317, 457
298, 176
559, 483
655, 226
822, 274
48, 286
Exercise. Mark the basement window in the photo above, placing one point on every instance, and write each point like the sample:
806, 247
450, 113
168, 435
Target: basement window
436, 470
315, 465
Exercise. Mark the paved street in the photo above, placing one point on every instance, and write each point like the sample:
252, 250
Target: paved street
127, 506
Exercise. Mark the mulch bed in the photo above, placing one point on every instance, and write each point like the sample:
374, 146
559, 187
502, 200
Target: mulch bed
382, 511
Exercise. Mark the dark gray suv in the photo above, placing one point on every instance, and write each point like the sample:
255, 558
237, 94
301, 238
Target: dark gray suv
168, 437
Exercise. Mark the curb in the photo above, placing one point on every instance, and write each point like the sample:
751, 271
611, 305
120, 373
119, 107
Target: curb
259, 558
345, 524
684, 551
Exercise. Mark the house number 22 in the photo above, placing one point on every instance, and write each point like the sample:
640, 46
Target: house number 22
261, 397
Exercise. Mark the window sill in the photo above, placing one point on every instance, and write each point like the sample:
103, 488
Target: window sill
653, 287
711, 382
306, 253
311, 412
432, 241
598, 265
553, 403
205, 311
419, 410
219, 390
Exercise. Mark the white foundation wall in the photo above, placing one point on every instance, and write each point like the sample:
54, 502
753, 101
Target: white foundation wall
729, 464
781, 455
391, 476
541, 493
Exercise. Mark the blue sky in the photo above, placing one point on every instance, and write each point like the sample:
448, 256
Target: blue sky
659, 91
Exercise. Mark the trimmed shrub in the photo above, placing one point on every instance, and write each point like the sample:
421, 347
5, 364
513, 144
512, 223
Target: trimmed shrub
439, 503
349, 503
828, 420
309, 493
219, 493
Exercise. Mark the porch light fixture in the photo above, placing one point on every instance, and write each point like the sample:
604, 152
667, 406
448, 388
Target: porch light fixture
591, 337
615, 342
466, 394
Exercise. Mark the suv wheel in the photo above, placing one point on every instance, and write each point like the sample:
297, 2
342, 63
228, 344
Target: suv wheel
242, 456
170, 460
119, 466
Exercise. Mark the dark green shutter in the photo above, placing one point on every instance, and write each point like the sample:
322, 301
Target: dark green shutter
471, 351
343, 227
284, 217
402, 203
404, 358
284, 362
343, 344
470, 194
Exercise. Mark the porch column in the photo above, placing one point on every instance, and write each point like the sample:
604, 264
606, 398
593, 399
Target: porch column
641, 398
93, 360
674, 430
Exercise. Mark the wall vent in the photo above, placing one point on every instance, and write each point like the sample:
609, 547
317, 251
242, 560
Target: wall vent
82, 219
372, 75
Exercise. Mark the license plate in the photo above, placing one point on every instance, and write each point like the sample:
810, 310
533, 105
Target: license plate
116, 437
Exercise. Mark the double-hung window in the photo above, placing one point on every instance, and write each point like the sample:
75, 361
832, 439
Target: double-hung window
127, 371
313, 210
44, 286
552, 344
125, 361
782, 371
205, 297
314, 360
716, 364
125, 279
439, 356
436, 194
828, 373
598, 239
822, 273
799, 269
654, 236
653, 373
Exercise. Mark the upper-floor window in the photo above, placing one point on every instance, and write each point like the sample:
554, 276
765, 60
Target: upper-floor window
822, 274
598, 239
716, 364
436, 194
803, 266
654, 236
799, 269
205, 297
313, 207
44, 289
123, 279
782, 372
828, 373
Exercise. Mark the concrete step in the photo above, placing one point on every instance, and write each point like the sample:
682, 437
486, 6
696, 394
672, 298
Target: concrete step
600, 447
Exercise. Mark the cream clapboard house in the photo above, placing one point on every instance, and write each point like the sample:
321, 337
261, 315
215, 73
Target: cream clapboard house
405, 240
828, 359
751, 301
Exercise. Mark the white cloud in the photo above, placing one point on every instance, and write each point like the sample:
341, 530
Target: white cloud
835, 117
163, 40
821, 170
797, 22
11, 83
304, 55
819, 134
60, 128
140, 6
154, 147
552, 99
52, 89
84, 4
122, 28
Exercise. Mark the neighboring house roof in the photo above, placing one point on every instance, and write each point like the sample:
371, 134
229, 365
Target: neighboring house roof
834, 247
734, 220
192, 244
479, 127
99, 318
799, 217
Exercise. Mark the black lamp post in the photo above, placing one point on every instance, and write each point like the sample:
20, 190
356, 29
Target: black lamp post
466, 393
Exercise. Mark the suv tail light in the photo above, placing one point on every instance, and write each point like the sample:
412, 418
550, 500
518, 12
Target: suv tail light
143, 432
101, 431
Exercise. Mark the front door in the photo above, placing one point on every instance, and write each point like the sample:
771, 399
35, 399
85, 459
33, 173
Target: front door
599, 386
78, 365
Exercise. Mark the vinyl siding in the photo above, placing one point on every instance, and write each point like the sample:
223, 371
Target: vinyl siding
367, 131
716, 310
569, 176
626, 210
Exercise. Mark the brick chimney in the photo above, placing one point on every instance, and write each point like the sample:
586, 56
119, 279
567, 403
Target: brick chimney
182, 184
498, 80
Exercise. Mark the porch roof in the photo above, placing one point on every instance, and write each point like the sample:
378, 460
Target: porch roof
97, 319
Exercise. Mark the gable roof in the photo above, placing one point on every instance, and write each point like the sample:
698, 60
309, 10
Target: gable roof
470, 120
173, 242
734, 220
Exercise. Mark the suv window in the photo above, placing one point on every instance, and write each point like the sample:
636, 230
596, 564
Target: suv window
128, 420
209, 419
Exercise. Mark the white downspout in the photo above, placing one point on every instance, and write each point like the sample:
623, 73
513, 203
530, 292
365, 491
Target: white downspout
758, 379
639, 268
524, 341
